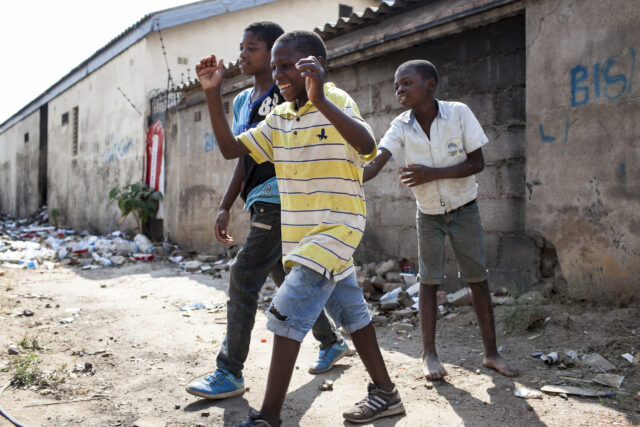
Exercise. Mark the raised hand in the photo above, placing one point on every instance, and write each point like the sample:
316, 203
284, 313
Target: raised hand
313, 71
413, 175
210, 72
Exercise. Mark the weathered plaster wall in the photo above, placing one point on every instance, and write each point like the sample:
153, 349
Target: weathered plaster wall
196, 178
111, 136
19, 194
582, 141
484, 68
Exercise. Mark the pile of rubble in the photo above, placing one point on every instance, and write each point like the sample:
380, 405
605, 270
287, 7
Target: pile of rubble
392, 290
35, 243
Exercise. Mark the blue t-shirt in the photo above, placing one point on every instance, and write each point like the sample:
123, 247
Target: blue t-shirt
259, 180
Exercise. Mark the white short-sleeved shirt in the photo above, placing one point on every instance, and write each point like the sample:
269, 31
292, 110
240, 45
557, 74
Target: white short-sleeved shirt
455, 131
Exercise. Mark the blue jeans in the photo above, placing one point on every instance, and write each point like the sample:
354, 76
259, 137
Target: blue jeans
260, 255
464, 228
306, 293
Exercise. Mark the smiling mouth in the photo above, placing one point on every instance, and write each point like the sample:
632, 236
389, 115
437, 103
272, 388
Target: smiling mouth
284, 86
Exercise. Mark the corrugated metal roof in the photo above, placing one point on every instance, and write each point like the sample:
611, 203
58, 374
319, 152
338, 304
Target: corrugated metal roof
159, 20
370, 15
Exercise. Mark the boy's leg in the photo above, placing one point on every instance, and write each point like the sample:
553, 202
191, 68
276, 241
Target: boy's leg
431, 366
465, 230
347, 306
292, 313
261, 250
283, 360
431, 233
484, 311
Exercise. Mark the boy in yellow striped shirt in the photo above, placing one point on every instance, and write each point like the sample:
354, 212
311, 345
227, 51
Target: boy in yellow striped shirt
318, 143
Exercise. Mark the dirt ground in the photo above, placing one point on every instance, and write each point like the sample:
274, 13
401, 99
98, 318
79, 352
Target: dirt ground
142, 351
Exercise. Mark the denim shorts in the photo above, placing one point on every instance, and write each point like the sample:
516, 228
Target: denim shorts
464, 229
299, 301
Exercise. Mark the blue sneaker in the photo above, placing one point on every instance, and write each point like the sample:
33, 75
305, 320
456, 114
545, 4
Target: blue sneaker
329, 357
218, 385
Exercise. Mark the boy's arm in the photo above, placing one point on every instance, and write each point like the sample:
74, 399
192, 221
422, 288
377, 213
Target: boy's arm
210, 75
354, 132
233, 190
372, 168
413, 174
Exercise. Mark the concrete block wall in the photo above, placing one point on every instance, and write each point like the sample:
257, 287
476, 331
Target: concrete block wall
484, 68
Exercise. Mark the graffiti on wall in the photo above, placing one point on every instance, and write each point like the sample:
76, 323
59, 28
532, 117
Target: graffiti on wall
609, 79
117, 150
209, 142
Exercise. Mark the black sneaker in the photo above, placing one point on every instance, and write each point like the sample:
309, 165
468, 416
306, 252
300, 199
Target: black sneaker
256, 419
377, 404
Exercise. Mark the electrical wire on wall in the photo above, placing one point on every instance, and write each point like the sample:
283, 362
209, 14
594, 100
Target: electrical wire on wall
164, 54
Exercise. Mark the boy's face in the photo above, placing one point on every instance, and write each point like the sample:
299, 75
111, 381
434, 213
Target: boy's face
254, 55
412, 89
285, 74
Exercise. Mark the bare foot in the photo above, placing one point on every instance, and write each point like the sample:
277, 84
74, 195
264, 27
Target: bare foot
432, 368
497, 363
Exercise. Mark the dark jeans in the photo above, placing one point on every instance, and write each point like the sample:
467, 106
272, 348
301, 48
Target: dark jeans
260, 255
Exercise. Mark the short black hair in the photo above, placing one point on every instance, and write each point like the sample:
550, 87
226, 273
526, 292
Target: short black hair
423, 67
267, 31
307, 42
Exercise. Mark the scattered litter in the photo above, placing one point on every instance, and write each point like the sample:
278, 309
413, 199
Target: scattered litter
326, 385
550, 359
263, 340
176, 259
143, 257
13, 350
609, 380
628, 357
196, 306
527, 393
597, 361
67, 320
578, 391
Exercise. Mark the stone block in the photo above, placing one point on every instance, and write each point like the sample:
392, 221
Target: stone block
390, 286
387, 266
366, 98
394, 276
401, 213
460, 298
482, 106
345, 78
491, 247
512, 175
511, 71
378, 71
505, 142
521, 254
510, 106
387, 100
502, 215
378, 282
489, 182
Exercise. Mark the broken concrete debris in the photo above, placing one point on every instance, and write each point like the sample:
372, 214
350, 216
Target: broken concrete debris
392, 289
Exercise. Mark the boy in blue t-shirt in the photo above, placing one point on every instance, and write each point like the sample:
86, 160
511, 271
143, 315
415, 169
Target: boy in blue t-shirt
262, 251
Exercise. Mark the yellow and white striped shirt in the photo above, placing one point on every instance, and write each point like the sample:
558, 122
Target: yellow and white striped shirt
320, 181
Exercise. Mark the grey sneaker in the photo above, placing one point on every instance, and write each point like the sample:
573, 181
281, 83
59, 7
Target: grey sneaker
377, 404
